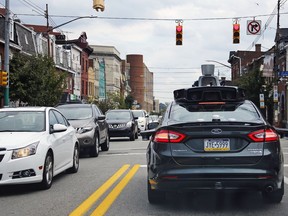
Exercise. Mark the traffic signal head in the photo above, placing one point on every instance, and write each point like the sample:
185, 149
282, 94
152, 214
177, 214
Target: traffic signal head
236, 33
3, 78
179, 34
99, 5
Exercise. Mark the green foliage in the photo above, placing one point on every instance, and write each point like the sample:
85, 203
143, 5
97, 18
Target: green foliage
254, 83
129, 101
34, 80
114, 101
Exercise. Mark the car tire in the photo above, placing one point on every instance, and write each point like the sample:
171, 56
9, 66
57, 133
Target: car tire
155, 196
132, 137
274, 196
94, 151
47, 178
76, 155
105, 146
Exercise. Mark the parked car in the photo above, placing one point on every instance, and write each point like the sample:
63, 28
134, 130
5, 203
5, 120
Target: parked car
212, 138
90, 124
142, 120
36, 144
122, 123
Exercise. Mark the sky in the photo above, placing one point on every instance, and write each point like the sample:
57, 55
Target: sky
148, 28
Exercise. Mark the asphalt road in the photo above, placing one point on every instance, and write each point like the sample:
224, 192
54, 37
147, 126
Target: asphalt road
115, 184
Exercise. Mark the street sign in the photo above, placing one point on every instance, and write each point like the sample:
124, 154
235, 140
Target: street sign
262, 103
283, 73
253, 27
275, 93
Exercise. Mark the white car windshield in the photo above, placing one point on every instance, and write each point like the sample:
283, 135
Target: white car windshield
22, 121
138, 113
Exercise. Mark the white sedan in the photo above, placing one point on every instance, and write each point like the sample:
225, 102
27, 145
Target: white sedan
36, 144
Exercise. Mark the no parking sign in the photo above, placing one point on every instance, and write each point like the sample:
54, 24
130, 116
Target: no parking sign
253, 27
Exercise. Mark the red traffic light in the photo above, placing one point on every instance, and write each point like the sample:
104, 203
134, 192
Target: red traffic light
179, 35
236, 27
179, 28
236, 33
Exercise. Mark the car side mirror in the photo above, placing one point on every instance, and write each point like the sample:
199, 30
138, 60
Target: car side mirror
153, 125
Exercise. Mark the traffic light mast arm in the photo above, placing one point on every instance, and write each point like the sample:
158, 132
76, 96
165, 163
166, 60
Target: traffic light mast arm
77, 18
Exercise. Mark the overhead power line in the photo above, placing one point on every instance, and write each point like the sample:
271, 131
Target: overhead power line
160, 19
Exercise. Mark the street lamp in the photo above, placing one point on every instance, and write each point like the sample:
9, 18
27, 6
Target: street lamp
240, 67
219, 63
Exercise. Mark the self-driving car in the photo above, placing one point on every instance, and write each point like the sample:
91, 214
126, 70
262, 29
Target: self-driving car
213, 138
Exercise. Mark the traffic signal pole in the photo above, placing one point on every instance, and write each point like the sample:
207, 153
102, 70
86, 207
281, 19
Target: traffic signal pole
6, 52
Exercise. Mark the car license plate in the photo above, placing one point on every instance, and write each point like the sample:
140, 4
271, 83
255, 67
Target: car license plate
217, 144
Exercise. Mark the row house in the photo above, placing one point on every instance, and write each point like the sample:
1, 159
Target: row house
92, 70
110, 57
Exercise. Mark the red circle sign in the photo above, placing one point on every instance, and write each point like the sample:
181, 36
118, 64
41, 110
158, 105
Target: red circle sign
253, 27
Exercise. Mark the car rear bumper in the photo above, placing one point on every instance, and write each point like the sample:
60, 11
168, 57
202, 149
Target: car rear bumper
216, 179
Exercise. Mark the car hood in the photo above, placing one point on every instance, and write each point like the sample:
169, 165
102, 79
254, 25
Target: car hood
13, 140
81, 123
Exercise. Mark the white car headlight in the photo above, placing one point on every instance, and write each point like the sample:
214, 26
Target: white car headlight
26, 151
129, 124
84, 129
140, 120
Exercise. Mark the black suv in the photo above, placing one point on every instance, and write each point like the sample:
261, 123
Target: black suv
122, 123
213, 138
90, 124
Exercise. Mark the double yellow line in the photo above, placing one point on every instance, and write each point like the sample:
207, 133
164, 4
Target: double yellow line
111, 197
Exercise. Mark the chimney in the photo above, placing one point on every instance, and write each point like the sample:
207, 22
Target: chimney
258, 48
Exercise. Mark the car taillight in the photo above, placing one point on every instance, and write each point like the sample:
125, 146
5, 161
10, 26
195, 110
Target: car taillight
167, 136
267, 135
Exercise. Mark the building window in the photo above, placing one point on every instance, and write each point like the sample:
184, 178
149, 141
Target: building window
26, 40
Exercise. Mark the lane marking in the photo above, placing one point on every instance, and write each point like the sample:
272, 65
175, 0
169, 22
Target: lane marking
86, 205
111, 197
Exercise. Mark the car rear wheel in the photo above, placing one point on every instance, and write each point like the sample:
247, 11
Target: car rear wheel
75, 167
47, 178
155, 196
94, 151
274, 196
105, 146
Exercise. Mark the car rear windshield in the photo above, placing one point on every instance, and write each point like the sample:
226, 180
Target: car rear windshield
233, 112
76, 113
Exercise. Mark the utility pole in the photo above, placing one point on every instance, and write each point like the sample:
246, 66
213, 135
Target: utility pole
276, 69
48, 30
6, 51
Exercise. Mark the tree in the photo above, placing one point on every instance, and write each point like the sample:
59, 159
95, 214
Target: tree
114, 101
129, 101
254, 84
35, 81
